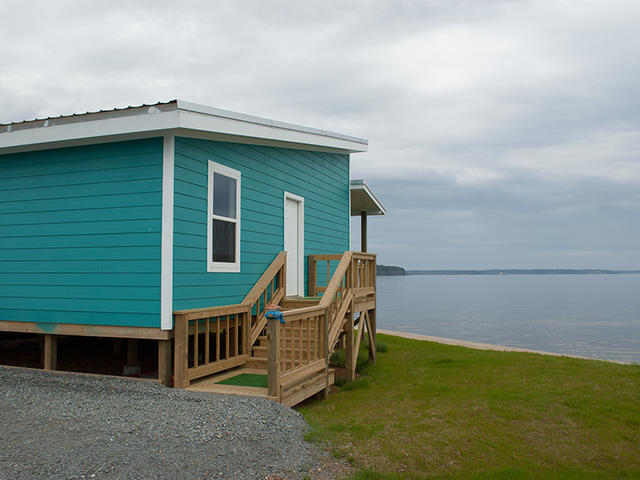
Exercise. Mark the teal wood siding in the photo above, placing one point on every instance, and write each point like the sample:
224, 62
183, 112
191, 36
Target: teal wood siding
267, 172
80, 232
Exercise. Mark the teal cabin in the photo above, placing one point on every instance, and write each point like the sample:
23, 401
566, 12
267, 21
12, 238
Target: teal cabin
185, 224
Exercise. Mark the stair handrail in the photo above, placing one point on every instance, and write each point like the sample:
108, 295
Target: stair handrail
264, 280
331, 309
259, 290
336, 307
336, 279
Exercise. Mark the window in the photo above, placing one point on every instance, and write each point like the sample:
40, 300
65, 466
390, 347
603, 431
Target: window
223, 221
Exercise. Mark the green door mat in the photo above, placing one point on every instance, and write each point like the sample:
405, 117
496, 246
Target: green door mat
246, 380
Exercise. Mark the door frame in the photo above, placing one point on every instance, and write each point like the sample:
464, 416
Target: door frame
300, 201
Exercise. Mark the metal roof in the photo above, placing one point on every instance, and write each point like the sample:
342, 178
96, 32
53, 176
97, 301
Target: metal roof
179, 115
73, 115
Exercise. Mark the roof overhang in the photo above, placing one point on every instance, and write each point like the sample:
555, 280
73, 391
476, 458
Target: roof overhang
363, 200
176, 117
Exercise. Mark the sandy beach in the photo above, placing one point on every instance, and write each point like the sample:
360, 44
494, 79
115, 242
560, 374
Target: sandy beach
482, 346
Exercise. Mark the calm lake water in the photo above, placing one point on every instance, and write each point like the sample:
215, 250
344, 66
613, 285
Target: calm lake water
595, 316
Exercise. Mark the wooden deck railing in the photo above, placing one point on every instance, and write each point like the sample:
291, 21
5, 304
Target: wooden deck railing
209, 340
321, 266
295, 349
337, 298
269, 289
301, 346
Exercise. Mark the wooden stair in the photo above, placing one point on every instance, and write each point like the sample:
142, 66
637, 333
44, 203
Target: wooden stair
259, 350
294, 354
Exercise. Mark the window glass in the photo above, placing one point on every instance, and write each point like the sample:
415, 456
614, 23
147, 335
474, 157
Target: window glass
224, 196
224, 241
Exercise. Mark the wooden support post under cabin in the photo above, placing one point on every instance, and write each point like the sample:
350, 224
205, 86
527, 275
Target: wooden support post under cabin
164, 362
117, 346
180, 352
273, 357
349, 350
132, 367
363, 231
50, 352
372, 334
132, 352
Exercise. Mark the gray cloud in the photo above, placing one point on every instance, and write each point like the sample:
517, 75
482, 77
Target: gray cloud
502, 133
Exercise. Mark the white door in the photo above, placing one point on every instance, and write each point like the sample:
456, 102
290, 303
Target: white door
294, 242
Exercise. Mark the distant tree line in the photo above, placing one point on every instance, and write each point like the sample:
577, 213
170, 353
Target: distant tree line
390, 270
523, 271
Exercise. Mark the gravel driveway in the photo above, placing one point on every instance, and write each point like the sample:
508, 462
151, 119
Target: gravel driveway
70, 426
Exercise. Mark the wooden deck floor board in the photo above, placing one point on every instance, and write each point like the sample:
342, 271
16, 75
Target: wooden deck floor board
210, 384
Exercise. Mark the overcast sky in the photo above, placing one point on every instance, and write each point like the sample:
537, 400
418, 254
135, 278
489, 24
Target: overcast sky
501, 133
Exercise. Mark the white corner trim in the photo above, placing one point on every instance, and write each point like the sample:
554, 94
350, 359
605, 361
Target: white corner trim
300, 200
166, 275
349, 211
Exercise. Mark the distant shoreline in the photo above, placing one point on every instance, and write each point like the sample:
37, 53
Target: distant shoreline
486, 346
524, 271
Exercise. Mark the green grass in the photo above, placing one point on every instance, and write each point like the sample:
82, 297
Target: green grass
247, 380
362, 363
427, 410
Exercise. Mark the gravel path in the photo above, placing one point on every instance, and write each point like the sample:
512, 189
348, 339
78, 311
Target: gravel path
69, 426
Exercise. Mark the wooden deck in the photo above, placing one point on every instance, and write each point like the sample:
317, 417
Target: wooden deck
210, 384
212, 344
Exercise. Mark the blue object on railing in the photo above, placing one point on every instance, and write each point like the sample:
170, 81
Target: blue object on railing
275, 314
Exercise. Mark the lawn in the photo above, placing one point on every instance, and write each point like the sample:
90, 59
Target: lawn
428, 410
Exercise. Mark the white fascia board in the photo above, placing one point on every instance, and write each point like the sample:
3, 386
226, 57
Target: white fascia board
375, 199
242, 128
243, 117
93, 129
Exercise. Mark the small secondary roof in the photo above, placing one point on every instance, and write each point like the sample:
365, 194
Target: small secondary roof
176, 116
363, 200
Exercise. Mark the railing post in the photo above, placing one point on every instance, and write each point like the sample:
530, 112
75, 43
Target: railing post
372, 267
325, 344
181, 352
273, 357
313, 276
372, 313
354, 272
246, 332
283, 276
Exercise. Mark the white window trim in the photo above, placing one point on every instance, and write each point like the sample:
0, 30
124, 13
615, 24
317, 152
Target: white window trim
300, 200
229, 172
